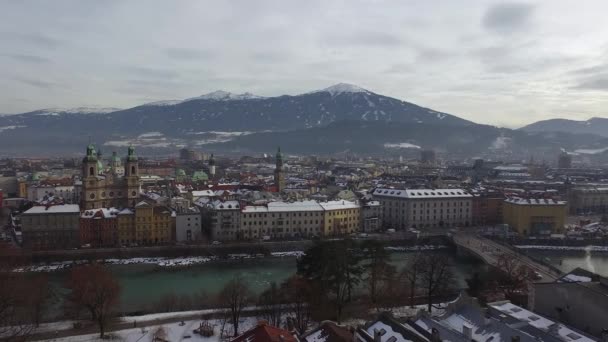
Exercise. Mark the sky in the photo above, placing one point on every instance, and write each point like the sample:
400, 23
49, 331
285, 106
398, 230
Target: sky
500, 63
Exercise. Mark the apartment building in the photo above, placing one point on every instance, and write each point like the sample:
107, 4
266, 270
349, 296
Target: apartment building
424, 208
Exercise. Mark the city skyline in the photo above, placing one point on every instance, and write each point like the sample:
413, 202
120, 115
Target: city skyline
506, 64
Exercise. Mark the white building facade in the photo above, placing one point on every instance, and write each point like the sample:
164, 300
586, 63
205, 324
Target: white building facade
424, 208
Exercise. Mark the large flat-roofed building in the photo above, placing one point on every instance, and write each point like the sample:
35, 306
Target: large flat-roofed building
282, 219
533, 216
51, 227
424, 208
588, 200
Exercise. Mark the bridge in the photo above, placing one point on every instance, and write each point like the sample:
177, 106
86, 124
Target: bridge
489, 252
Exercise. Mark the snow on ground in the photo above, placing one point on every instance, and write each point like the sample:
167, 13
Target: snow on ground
160, 261
415, 248
174, 332
150, 135
5, 128
400, 145
296, 254
573, 278
566, 248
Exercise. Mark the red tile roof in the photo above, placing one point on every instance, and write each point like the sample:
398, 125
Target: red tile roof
265, 333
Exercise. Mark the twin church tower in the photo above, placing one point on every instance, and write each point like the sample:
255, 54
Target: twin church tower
112, 186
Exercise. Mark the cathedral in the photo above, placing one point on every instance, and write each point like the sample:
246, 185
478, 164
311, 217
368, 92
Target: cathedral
112, 186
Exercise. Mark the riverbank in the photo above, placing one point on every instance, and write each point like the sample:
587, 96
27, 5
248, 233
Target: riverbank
184, 262
589, 248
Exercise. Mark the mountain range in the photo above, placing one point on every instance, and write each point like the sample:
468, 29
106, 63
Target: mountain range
339, 118
597, 126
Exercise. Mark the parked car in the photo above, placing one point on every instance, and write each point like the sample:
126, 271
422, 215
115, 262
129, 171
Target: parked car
216, 242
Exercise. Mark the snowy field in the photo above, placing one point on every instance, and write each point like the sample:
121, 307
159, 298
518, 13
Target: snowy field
174, 332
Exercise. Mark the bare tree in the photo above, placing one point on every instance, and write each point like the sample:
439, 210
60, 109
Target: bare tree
297, 292
40, 295
271, 303
235, 296
516, 275
15, 320
411, 273
379, 271
94, 289
436, 276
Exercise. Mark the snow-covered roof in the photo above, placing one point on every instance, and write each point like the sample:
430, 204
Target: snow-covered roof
422, 193
534, 201
284, 206
544, 324
202, 193
339, 205
126, 211
54, 209
104, 212
226, 205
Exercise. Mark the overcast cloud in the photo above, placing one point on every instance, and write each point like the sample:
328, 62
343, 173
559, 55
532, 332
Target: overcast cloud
502, 63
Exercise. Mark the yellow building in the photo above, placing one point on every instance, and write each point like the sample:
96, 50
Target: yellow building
535, 216
153, 224
126, 227
340, 217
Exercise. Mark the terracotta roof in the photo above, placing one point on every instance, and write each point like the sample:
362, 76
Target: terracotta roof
329, 332
265, 333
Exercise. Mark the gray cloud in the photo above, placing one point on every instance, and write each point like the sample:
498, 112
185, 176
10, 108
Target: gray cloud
29, 58
508, 17
594, 84
37, 83
37, 40
461, 57
363, 38
152, 73
188, 54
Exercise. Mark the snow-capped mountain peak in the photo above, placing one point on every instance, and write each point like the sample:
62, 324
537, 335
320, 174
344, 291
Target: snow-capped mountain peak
221, 95
78, 110
342, 88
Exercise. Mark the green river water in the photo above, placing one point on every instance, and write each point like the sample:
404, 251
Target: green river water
143, 284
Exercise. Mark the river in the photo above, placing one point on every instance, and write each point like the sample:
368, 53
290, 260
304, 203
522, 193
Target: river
566, 261
143, 284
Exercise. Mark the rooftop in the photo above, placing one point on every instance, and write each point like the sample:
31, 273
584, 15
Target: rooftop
534, 201
422, 193
54, 209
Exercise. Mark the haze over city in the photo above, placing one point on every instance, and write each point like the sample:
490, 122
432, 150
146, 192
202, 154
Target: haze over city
499, 63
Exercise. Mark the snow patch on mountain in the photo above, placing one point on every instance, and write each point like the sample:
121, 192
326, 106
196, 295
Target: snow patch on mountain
401, 145
591, 151
163, 103
342, 88
220, 95
5, 128
78, 110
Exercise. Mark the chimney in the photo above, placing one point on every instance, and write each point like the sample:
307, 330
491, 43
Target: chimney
435, 337
554, 329
515, 338
377, 336
487, 319
605, 335
467, 331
